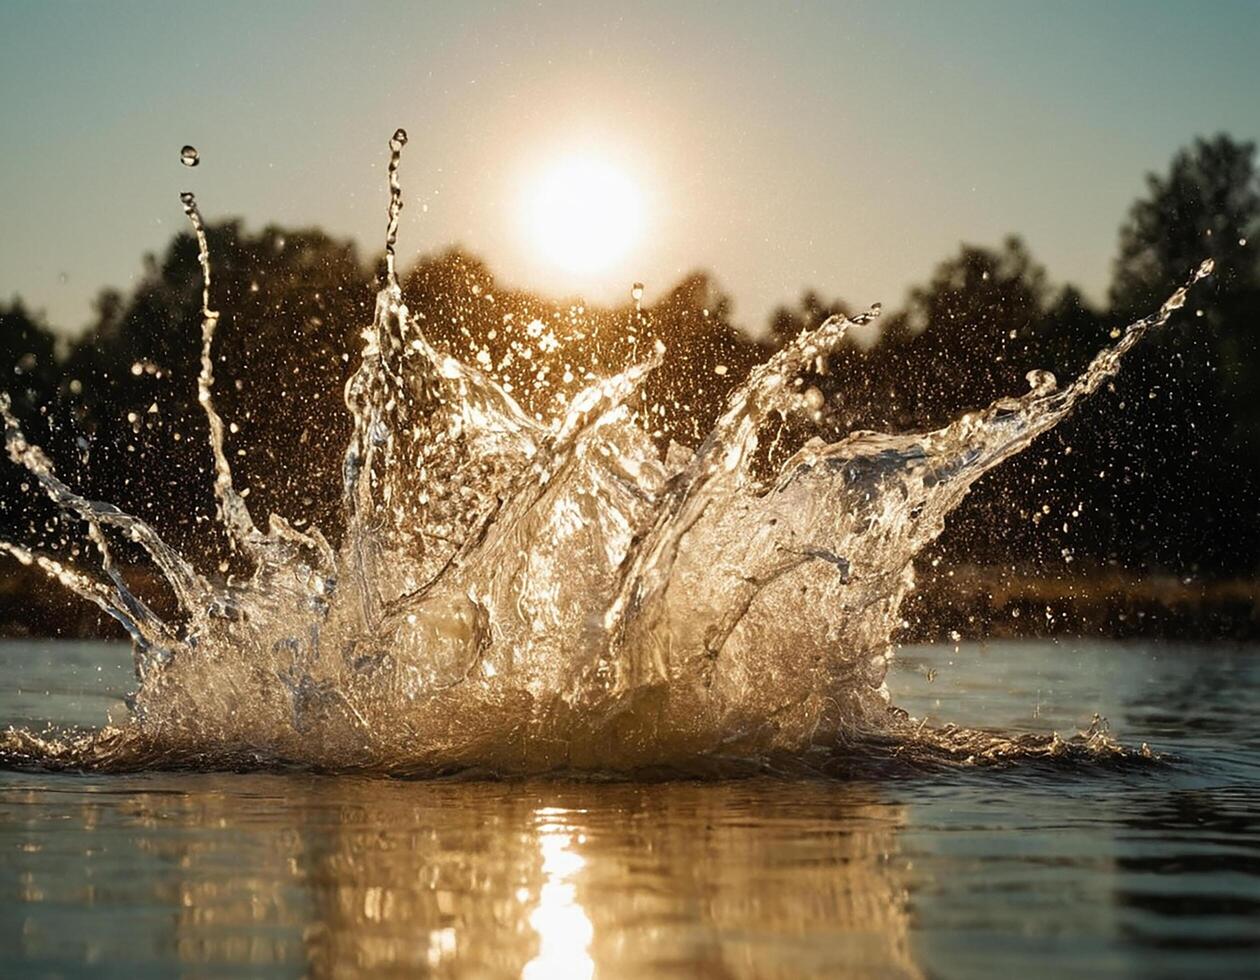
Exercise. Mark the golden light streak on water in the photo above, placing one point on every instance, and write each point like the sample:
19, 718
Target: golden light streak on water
564, 929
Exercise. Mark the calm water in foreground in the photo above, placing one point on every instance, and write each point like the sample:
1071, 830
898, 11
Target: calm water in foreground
1142, 871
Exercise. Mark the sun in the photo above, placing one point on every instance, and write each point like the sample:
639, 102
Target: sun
583, 214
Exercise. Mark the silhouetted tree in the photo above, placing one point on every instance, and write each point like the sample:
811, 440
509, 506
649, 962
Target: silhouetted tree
1208, 206
811, 310
292, 304
964, 336
27, 357
27, 375
706, 357
1190, 426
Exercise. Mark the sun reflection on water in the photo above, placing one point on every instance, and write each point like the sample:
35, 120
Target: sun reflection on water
564, 929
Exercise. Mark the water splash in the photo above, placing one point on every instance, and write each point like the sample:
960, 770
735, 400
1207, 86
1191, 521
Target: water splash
514, 596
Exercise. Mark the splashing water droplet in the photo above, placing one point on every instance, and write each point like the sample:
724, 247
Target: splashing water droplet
189, 156
1178, 299
1041, 382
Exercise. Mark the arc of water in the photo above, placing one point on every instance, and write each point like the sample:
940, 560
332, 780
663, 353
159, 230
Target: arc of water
967, 444
190, 589
719, 461
232, 509
363, 396
1044, 407
366, 394
144, 632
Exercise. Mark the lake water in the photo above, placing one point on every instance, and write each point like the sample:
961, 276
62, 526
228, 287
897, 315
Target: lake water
1040, 869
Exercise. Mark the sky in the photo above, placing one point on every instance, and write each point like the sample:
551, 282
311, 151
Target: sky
848, 147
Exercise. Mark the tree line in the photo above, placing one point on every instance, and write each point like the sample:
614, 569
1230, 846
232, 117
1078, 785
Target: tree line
1160, 471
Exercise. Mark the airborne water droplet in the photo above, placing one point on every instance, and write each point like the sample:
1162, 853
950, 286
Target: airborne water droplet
1041, 382
636, 291
189, 156
399, 139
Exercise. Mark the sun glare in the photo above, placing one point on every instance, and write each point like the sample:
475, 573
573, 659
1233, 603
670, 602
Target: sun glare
583, 214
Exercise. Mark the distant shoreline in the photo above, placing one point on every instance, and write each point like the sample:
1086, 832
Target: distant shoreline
977, 601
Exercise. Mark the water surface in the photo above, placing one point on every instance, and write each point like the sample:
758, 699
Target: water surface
1097, 870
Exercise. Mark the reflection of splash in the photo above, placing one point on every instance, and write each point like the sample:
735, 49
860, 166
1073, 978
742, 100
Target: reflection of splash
354, 877
744, 879
564, 930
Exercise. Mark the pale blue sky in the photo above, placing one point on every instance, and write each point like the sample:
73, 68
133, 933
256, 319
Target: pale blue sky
848, 146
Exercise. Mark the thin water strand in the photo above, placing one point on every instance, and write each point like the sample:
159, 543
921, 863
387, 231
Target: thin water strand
233, 512
396, 144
